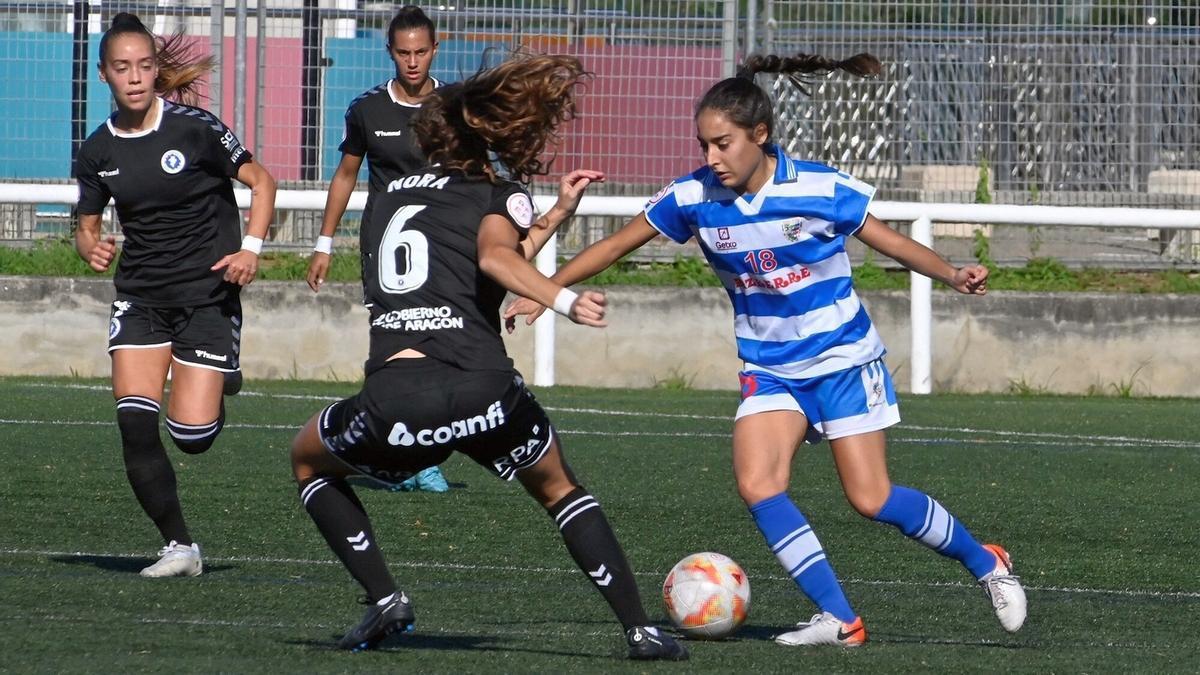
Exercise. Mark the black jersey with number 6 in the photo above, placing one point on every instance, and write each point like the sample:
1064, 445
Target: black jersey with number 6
174, 197
422, 277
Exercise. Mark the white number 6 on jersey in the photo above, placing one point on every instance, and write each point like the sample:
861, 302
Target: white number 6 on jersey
408, 245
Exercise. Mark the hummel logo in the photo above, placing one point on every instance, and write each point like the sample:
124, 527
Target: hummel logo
359, 542
601, 575
380, 134
842, 635
109, 174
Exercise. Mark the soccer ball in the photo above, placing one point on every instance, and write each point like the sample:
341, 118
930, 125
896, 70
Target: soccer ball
707, 596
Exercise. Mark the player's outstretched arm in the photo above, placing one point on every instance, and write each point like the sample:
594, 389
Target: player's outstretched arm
499, 259
590, 262
570, 190
970, 279
242, 266
97, 252
340, 189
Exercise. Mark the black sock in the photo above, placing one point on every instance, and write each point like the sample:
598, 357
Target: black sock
148, 468
196, 438
594, 547
343, 522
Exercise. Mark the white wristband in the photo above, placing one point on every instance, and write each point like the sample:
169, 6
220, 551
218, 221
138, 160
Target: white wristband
324, 245
252, 244
564, 301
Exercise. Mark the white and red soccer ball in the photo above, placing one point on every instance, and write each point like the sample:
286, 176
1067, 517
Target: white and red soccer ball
707, 596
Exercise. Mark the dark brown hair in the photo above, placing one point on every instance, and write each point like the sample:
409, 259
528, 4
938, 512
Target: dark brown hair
407, 18
747, 105
179, 71
512, 110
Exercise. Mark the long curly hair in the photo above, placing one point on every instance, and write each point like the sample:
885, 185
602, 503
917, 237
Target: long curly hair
179, 70
509, 113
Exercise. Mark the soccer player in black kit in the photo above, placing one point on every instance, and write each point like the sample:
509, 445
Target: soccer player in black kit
449, 241
377, 128
168, 168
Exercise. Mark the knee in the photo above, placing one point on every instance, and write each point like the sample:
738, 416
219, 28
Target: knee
194, 438
753, 487
137, 419
548, 490
868, 502
304, 465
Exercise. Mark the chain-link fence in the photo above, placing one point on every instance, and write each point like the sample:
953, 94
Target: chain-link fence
1059, 103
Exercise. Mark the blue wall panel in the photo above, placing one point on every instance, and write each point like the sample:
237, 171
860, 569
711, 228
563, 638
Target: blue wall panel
35, 103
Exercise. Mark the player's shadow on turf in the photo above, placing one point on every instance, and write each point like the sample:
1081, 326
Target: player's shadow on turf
750, 631
446, 642
121, 564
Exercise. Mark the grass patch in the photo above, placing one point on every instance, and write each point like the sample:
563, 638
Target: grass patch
494, 591
48, 258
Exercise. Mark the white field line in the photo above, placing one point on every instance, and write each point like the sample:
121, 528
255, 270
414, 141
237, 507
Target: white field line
16, 552
702, 434
1114, 441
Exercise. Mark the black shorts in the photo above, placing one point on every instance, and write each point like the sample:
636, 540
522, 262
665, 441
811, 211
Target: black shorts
412, 413
209, 336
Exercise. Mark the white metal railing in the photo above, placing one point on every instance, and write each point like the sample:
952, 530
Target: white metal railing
922, 216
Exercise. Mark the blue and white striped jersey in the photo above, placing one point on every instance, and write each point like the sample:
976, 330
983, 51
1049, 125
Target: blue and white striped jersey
781, 256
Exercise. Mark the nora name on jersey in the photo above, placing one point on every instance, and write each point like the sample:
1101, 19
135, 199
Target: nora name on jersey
418, 180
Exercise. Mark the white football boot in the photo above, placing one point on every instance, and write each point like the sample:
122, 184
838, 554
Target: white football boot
176, 560
825, 629
1003, 588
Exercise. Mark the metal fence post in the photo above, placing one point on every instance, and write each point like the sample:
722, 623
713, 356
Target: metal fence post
310, 87
79, 77
239, 70
729, 39
217, 28
260, 70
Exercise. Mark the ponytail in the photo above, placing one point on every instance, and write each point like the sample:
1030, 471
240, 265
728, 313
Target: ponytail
796, 67
745, 103
179, 71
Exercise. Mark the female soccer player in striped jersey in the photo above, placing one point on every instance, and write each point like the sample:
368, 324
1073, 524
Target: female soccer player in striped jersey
168, 166
450, 242
773, 230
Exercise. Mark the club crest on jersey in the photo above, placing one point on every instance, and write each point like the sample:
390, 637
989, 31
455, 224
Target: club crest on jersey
792, 229
520, 208
172, 161
660, 194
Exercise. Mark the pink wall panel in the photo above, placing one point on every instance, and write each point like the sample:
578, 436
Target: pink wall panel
635, 119
279, 147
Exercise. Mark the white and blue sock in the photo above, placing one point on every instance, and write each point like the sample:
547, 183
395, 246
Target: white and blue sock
795, 545
921, 517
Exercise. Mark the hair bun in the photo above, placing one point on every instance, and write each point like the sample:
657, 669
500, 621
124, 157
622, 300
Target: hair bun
125, 20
